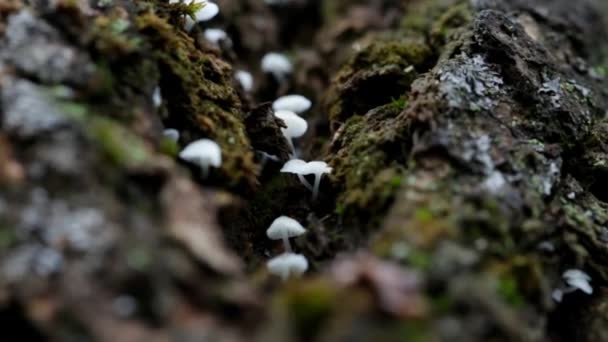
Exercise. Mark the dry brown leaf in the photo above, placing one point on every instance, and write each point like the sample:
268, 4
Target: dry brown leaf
191, 219
396, 288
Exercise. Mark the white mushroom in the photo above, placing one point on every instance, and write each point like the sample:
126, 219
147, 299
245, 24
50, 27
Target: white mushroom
283, 228
578, 279
575, 280
171, 134
297, 167
295, 103
245, 79
287, 264
157, 98
214, 35
207, 12
296, 127
204, 153
317, 168
276, 64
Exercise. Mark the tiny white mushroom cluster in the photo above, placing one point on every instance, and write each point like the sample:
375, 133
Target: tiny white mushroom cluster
287, 109
575, 279
288, 263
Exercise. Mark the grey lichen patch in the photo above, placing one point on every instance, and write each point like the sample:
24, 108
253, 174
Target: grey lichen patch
552, 88
468, 82
38, 50
28, 108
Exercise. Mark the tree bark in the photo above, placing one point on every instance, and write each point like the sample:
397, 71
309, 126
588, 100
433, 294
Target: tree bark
468, 141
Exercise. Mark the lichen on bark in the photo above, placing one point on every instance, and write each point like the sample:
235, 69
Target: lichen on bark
468, 147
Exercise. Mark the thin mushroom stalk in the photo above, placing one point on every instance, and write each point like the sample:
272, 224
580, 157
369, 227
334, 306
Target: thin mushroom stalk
204, 170
286, 243
315, 188
292, 148
305, 183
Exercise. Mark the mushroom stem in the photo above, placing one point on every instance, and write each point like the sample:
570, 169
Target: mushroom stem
315, 189
204, 170
304, 182
286, 244
291, 147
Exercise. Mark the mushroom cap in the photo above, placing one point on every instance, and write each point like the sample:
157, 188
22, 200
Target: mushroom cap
203, 152
297, 166
301, 167
276, 63
245, 79
318, 167
295, 103
575, 273
284, 226
208, 11
287, 264
214, 35
578, 279
296, 126
171, 134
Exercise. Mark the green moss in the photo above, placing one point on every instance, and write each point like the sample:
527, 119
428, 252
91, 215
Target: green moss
399, 103
117, 143
508, 289
169, 147
120, 145
7, 236
310, 304
200, 97
424, 215
113, 35
442, 304
414, 331
377, 75
419, 259
139, 258
454, 19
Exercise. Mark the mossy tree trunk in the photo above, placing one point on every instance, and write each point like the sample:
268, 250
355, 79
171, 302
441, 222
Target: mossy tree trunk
469, 146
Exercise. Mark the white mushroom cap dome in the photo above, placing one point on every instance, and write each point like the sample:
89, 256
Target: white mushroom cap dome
297, 166
203, 152
245, 79
288, 264
296, 126
578, 279
301, 167
214, 35
295, 103
284, 226
276, 63
318, 167
171, 134
208, 12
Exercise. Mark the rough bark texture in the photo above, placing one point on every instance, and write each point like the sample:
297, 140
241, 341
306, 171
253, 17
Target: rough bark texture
468, 141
